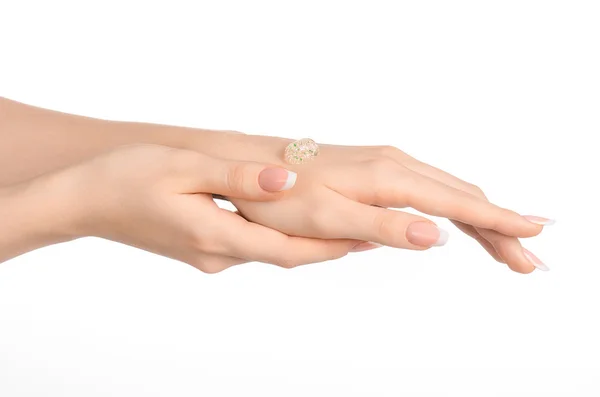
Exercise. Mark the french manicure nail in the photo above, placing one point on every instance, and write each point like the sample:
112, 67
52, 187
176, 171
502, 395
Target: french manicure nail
365, 246
539, 220
276, 179
426, 234
535, 261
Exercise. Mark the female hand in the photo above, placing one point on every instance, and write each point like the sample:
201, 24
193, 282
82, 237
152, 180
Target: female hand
156, 198
381, 176
341, 192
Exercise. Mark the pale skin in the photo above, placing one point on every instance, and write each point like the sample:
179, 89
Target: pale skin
63, 177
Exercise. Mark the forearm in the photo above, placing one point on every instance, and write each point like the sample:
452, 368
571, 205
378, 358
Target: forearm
37, 213
34, 141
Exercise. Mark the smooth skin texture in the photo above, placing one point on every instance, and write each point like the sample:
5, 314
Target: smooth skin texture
347, 192
158, 199
386, 177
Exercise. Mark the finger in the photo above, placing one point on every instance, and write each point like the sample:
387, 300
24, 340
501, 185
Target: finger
384, 182
472, 232
516, 257
435, 173
503, 248
455, 182
239, 179
510, 249
215, 263
435, 198
254, 242
432, 197
438, 174
365, 246
358, 246
381, 225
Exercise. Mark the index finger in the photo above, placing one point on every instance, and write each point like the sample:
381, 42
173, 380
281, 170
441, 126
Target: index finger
389, 184
435, 198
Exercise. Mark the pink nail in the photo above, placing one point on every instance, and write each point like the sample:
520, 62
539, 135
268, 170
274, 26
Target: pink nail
276, 179
535, 261
365, 246
426, 234
538, 220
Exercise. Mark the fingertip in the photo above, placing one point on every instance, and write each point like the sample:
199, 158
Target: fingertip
520, 265
527, 263
536, 224
519, 227
531, 231
534, 260
524, 270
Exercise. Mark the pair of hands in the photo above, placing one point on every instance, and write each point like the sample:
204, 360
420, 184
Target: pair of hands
160, 199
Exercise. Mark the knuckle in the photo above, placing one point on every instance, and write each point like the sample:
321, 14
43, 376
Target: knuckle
386, 150
408, 187
381, 166
411, 179
383, 225
203, 243
492, 222
389, 151
209, 265
235, 177
475, 190
337, 253
330, 250
287, 263
498, 217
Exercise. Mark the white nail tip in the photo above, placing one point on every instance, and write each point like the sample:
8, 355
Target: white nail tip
442, 239
548, 222
538, 220
538, 265
290, 181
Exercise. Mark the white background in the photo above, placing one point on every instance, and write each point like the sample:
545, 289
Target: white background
504, 94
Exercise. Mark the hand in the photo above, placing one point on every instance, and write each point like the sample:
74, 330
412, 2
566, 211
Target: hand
382, 175
341, 192
156, 198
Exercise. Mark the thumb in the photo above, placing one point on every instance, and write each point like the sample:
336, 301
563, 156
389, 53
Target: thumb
240, 179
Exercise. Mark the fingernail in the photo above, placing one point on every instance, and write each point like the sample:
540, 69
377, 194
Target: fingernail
365, 246
535, 261
426, 234
539, 220
276, 179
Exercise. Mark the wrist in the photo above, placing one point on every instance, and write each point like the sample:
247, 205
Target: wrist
36, 213
53, 201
